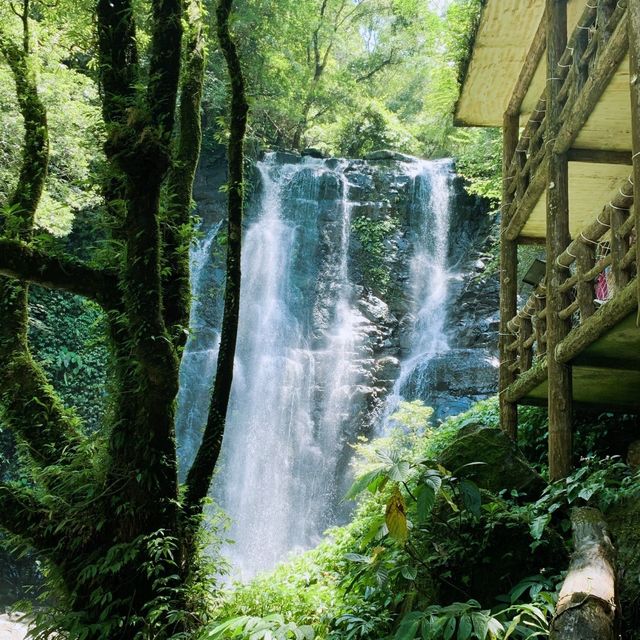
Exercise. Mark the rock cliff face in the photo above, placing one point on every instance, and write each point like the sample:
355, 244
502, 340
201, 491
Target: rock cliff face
383, 209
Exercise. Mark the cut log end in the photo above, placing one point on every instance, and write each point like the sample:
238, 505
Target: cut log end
586, 607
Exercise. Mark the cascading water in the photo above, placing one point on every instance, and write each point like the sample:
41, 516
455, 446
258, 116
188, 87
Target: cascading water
294, 373
428, 279
305, 349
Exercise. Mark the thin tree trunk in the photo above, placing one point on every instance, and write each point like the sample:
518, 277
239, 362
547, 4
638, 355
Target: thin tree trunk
201, 472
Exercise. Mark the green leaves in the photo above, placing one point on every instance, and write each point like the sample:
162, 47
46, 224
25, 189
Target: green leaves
271, 627
471, 498
393, 468
457, 621
538, 525
371, 481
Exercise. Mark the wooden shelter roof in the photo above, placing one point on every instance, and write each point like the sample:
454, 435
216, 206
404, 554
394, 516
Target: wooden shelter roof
506, 33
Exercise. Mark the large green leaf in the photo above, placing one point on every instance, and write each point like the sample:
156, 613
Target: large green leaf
471, 497
396, 517
538, 525
369, 480
409, 626
464, 628
449, 629
426, 498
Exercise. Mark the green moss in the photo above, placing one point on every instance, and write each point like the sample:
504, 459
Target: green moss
372, 235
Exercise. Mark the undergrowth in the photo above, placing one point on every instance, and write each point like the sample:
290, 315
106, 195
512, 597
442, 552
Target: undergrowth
426, 553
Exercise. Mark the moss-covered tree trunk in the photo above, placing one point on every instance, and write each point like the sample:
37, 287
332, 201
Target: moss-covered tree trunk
107, 512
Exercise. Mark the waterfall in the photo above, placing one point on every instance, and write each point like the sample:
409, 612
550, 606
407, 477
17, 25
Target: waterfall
428, 281
304, 357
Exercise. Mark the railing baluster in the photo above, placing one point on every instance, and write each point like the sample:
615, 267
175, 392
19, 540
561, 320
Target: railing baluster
525, 353
585, 289
541, 325
619, 248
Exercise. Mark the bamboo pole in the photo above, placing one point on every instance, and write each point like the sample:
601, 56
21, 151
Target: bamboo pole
634, 56
558, 238
508, 280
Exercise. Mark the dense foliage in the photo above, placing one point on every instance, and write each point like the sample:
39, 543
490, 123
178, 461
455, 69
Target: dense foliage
351, 78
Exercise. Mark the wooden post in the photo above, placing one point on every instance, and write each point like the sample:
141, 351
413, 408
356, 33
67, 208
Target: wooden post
508, 281
586, 260
634, 55
558, 238
605, 10
582, 69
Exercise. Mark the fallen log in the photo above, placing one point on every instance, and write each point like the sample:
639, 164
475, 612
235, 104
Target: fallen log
586, 608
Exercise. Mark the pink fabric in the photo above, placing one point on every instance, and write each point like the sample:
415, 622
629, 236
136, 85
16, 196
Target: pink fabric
602, 287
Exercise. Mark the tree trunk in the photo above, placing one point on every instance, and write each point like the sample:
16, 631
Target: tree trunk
586, 608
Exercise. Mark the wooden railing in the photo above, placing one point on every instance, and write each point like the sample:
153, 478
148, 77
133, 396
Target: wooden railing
577, 71
593, 52
616, 226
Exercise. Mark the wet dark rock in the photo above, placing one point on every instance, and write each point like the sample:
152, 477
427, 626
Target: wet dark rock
313, 153
386, 154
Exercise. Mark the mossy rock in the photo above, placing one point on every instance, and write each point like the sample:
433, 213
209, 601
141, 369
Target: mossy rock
504, 466
623, 519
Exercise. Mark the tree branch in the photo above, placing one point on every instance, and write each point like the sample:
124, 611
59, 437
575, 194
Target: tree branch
31, 408
25, 516
379, 67
23, 262
164, 64
201, 472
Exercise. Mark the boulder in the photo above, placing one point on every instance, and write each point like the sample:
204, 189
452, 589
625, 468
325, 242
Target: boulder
504, 468
314, 153
386, 154
623, 520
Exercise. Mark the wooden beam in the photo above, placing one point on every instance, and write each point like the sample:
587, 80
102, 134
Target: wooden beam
559, 374
593, 233
531, 240
605, 318
527, 382
594, 87
536, 50
600, 156
529, 200
634, 71
508, 280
